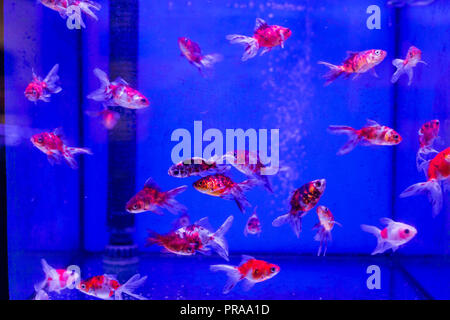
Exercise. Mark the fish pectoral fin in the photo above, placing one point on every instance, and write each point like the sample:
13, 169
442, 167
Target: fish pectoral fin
374, 73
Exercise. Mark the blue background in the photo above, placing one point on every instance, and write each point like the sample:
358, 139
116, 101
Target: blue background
280, 90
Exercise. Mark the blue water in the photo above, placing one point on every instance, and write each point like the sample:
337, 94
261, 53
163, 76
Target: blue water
60, 214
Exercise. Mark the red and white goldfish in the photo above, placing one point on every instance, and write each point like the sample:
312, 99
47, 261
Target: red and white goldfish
117, 93
394, 235
57, 279
250, 271
193, 54
151, 198
264, 36
198, 237
303, 199
109, 118
39, 89
372, 134
428, 133
249, 163
356, 62
195, 167
438, 171
413, 57
63, 8
222, 186
253, 225
107, 287
324, 227
51, 144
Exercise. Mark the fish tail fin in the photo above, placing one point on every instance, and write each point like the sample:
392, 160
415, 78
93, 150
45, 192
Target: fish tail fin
86, 6
103, 93
324, 237
130, 286
52, 80
294, 221
153, 238
401, 69
49, 272
69, 155
432, 188
264, 180
210, 59
381, 244
234, 276
252, 45
333, 74
238, 193
172, 205
219, 243
353, 137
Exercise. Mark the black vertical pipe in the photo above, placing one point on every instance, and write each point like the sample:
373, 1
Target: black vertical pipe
4, 290
123, 43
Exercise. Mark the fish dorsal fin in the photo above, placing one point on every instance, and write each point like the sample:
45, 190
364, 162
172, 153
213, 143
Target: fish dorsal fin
260, 24
35, 77
120, 80
387, 221
351, 54
58, 132
372, 123
204, 222
245, 258
254, 212
111, 276
150, 183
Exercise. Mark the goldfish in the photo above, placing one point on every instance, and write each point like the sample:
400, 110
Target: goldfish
39, 89
413, 57
56, 279
151, 198
438, 171
249, 270
222, 186
106, 287
63, 8
198, 237
108, 117
264, 36
195, 167
249, 163
428, 133
372, 134
303, 199
51, 144
193, 54
117, 93
394, 235
253, 225
324, 227
356, 62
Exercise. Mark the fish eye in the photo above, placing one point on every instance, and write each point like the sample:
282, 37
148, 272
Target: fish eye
135, 206
318, 183
272, 269
40, 140
377, 52
407, 231
176, 172
395, 136
143, 100
83, 286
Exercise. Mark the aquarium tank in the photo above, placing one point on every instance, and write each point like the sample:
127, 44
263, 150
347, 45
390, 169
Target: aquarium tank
226, 150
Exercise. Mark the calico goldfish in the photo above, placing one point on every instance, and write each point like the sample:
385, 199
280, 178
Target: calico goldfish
372, 134
193, 54
302, 200
152, 198
198, 237
438, 171
56, 279
250, 270
107, 287
117, 93
51, 144
253, 225
428, 133
413, 57
63, 8
195, 167
324, 227
264, 36
357, 63
222, 186
39, 89
394, 235
249, 163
